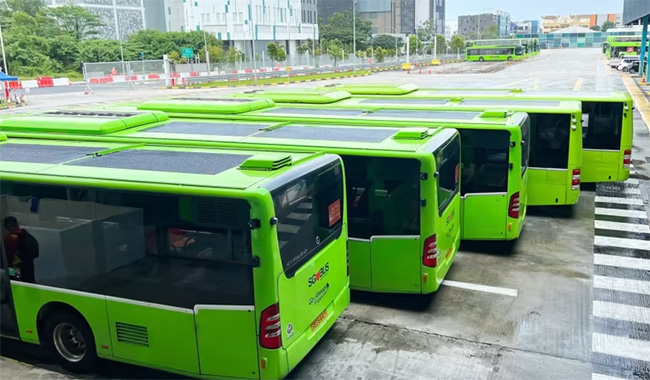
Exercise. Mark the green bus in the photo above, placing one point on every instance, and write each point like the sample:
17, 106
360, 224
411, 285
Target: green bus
402, 184
494, 151
607, 125
210, 263
620, 46
495, 53
555, 139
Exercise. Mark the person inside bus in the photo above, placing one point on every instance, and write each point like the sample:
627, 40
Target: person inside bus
21, 248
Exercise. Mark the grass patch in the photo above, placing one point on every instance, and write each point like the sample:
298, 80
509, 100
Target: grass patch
262, 81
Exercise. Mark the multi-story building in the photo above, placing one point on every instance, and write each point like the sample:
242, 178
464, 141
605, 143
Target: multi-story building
552, 23
478, 25
526, 27
120, 17
241, 23
165, 15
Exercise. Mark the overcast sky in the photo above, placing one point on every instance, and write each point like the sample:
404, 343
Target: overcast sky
531, 9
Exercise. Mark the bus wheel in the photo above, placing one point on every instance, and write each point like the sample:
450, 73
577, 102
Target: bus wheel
481, 59
509, 58
70, 341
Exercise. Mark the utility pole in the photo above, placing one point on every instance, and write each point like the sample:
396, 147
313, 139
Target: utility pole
250, 5
4, 56
354, 36
207, 53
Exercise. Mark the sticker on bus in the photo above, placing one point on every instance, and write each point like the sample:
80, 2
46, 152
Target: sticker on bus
334, 212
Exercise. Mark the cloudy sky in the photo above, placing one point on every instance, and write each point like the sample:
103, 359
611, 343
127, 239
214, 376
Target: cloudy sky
531, 9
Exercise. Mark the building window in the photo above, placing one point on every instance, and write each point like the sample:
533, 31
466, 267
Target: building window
169, 11
196, 3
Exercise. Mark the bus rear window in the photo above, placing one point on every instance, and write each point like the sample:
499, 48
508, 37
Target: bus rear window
485, 161
603, 129
310, 214
550, 140
448, 165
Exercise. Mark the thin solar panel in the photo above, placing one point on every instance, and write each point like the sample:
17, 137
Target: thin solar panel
430, 102
467, 92
314, 111
220, 100
165, 161
302, 132
44, 154
413, 114
102, 114
220, 129
506, 102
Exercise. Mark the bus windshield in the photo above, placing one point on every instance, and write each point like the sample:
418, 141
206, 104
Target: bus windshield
309, 212
604, 125
485, 161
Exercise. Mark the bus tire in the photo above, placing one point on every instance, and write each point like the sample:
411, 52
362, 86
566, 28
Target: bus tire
510, 58
70, 341
481, 59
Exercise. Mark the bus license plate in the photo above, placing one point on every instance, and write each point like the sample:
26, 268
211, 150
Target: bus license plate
321, 317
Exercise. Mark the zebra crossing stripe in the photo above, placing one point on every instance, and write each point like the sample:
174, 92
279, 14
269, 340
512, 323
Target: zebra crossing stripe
621, 312
622, 242
632, 181
623, 213
597, 376
621, 346
621, 261
617, 200
622, 285
624, 227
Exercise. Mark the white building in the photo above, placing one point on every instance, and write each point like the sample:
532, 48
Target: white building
239, 22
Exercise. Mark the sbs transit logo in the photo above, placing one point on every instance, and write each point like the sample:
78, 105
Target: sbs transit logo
322, 272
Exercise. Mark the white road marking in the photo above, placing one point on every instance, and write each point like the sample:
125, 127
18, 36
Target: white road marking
597, 376
623, 213
625, 227
622, 201
620, 346
631, 190
621, 312
622, 285
631, 181
621, 261
622, 242
482, 288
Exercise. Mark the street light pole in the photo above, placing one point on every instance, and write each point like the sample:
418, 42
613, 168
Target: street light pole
4, 56
207, 53
250, 4
354, 36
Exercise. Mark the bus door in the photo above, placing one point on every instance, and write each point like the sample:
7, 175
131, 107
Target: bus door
384, 203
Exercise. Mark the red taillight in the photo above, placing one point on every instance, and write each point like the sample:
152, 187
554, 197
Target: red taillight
347, 255
627, 158
271, 328
513, 207
430, 252
575, 180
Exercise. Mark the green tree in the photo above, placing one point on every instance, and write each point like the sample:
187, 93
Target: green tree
491, 32
31, 7
380, 54
336, 51
369, 52
441, 44
595, 27
606, 26
415, 44
426, 30
387, 41
216, 53
360, 54
176, 57
339, 27
457, 43
275, 52
97, 50
76, 21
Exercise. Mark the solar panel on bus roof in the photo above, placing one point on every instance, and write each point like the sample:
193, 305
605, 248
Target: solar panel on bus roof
221, 129
329, 133
506, 102
405, 101
44, 154
314, 111
165, 161
217, 100
412, 114
103, 114
442, 91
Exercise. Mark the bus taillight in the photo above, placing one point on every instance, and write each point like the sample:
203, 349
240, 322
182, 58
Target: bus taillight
627, 158
513, 207
270, 327
430, 252
575, 180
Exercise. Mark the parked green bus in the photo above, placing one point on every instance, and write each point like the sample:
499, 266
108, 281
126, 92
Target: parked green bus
555, 140
495, 53
494, 150
607, 125
619, 46
208, 263
403, 185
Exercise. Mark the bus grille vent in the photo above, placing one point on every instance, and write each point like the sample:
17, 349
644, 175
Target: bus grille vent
217, 212
127, 333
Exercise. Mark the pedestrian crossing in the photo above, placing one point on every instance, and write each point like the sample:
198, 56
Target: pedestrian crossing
621, 302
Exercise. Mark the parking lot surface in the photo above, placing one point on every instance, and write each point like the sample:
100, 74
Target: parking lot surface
570, 299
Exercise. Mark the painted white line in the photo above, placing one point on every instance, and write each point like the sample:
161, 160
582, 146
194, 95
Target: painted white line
623, 213
622, 285
631, 181
625, 227
597, 376
622, 201
631, 190
621, 312
621, 261
622, 242
620, 346
481, 288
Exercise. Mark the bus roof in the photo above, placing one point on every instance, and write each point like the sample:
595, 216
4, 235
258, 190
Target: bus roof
227, 169
304, 136
211, 104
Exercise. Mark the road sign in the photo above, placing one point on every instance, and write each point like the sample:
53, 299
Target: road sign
187, 52
630, 49
142, 55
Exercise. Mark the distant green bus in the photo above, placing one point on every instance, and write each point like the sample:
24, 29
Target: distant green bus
210, 263
494, 150
555, 141
606, 128
495, 53
402, 184
620, 46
